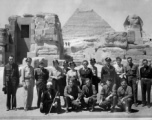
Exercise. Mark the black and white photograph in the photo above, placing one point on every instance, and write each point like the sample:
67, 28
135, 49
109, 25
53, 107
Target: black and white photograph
76, 59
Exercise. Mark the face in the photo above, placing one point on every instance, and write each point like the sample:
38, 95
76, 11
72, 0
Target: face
109, 83
71, 83
124, 84
92, 63
41, 66
118, 61
65, 65
129, 61
72, 66
108, 62
85, 64
28, 63
145, 63
49, 87
55, 64
11, 60
88, 83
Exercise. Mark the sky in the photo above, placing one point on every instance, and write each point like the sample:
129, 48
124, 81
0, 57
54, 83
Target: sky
112, 11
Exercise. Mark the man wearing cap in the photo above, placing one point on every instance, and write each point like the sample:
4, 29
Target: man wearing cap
50, 100
28, 83
108, 72
132, 74
89, 94
11, 82
72, 95
108, 98
41, 76
146, 79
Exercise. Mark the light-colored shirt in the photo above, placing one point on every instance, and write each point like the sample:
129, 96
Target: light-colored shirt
71, 74
119, 68
56, 72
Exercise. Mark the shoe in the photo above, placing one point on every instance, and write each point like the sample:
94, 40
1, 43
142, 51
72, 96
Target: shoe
30, 108
136, 105
7, 109
14, 108
91, 110
148, 105
143, 105
67, 111
25, 109
128, 112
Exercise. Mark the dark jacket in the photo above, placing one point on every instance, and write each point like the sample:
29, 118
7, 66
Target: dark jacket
89, 91
11, 74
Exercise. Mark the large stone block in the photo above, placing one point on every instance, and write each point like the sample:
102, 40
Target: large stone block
149, 51
116, 39
30, 54
136, 52
131, 36
134, 46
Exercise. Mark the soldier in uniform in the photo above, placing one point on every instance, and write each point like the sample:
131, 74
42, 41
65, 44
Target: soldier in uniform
146, 77
50, 100
11, 82
28, 83
108, 72
89, 94
132, 74
108, 98
124, 93
41, 76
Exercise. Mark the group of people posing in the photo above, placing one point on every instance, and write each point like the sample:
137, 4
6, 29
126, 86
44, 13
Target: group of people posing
79, 88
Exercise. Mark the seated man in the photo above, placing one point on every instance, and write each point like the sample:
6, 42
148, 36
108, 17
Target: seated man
72, 95
89, 94
125, 96
50, 100
108, 98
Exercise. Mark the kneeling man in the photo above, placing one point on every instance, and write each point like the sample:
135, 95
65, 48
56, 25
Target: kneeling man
108, 98
125, 96
89, 94
72, 94
50, 100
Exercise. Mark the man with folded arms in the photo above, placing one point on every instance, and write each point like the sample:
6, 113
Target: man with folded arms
72, 94
125, 95
108, 98
89, 94
146, 78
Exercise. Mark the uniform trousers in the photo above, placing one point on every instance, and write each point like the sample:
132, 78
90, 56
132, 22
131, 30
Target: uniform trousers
11, 94
132, 83
90, 102
146, 88
28, 93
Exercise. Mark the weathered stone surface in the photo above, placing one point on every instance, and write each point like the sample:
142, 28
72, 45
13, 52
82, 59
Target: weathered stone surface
136, 52
116, 39
149, 51
134, 46
131, 36
28, 15
111, 52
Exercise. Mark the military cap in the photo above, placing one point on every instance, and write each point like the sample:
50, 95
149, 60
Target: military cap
108, 59
93, 60
72, 63
41, 63
28, 59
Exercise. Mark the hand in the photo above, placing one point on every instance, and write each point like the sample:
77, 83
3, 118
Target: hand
71, 97
107, 98
4, 86
122, 100
101, 84
137, 81
55, 104
25, 87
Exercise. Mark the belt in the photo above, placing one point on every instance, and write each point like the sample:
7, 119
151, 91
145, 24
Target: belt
145, 79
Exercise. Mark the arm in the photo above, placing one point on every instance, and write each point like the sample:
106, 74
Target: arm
67, 78
101, 73
137, 72
102, 94
79, 77
66, 92
4, 80
94, 91
35, 75
80, 93
47, 74
129, 91
17, 75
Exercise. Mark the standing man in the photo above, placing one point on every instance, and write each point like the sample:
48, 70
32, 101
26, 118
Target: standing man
108, 72
11, 82
89, 94
124, 97
146, 78
41, 76
108, 98
132, 74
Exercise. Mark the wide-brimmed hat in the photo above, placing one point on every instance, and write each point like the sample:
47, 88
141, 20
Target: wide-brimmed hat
28, 59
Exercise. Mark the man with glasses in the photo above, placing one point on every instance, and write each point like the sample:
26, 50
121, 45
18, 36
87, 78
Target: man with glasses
11, 82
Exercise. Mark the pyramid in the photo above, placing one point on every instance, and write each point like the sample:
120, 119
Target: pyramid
85, 22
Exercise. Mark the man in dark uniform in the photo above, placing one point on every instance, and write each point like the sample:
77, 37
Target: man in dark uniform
11, 82
73, 95
50, 100
146, 78
124, 93
89, 94
108, 72
132, 74
84, 73
108, 98
41, 76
